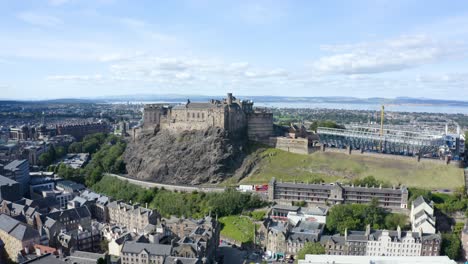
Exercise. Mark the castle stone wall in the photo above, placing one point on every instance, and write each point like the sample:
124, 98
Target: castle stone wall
294, 145
233, 115
259, 126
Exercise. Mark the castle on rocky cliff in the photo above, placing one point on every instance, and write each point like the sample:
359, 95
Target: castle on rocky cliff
238, 117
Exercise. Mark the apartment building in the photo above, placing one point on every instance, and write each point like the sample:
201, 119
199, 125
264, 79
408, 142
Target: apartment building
134, 217
336, 193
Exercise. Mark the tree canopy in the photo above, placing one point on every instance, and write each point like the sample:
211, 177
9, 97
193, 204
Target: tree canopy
195, 204
358, 216
311, 248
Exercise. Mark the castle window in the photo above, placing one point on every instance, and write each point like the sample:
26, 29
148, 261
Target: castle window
198, 115
188, 115
203, 115
193, 115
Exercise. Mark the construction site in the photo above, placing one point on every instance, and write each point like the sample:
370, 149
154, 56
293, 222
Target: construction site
397, 140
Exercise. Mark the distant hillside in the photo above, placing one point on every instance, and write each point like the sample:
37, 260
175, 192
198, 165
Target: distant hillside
288, 99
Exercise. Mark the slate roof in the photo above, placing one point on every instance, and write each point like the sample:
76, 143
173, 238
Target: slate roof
6, 181
315, 210
152, 249
180, 260
14, 165
286, 207
73, 214
71, 185
418, 201
336, 239
17, 229
46, 259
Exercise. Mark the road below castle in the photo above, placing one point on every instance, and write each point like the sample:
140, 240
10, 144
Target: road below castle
170, 187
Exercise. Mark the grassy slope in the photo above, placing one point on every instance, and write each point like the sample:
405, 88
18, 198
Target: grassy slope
239, 228
339, 166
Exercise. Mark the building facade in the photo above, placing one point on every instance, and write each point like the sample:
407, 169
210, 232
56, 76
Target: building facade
18, 170
78, 131
144, 253
422, 216
392, 198
382, 243
9, 189
17, 237
134, 217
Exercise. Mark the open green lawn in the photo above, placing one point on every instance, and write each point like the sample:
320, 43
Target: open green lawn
239, 228
331, 166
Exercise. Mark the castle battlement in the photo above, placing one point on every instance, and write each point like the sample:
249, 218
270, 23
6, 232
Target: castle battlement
231, 114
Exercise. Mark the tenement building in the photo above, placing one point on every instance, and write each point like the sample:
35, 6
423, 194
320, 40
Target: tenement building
382, 243
78, 131
134, 217
231, 114
17, 236
336, 193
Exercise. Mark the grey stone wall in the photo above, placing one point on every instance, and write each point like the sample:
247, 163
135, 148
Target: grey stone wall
259, 126
294, 145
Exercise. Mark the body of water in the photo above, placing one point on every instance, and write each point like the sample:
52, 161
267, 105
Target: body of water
369, 107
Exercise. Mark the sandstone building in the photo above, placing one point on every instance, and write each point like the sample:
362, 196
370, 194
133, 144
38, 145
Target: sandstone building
134, 217
231, 114
382, 243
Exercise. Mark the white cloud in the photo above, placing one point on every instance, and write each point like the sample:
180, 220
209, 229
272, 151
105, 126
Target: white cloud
39, 19
386, 56
178, 71
96, 77
267, 74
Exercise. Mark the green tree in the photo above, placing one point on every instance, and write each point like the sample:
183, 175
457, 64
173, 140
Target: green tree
310, 248
369, 181
416, 192
392, 221
48, 157
451, 246
344, 216
60, 152
75, 147
101, 261
91, 145
374, 215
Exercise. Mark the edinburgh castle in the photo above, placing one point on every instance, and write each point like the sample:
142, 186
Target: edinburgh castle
237, 117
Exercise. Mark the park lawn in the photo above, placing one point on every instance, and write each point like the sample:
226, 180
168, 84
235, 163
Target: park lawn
238, 228
332, 166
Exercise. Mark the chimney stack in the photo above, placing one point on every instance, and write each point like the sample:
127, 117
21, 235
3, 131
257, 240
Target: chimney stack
229, 98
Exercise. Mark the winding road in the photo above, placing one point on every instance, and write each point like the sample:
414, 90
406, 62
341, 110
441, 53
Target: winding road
170, 187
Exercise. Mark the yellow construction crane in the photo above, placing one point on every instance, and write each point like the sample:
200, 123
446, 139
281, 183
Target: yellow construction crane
382, 113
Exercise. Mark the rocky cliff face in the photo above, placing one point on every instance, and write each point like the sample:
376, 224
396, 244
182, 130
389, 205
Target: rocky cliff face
190, 157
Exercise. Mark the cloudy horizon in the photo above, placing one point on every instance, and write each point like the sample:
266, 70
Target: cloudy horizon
84, 49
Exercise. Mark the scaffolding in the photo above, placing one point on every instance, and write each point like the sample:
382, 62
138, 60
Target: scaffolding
386, 141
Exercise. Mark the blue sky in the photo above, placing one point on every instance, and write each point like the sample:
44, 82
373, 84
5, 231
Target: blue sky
88, 48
